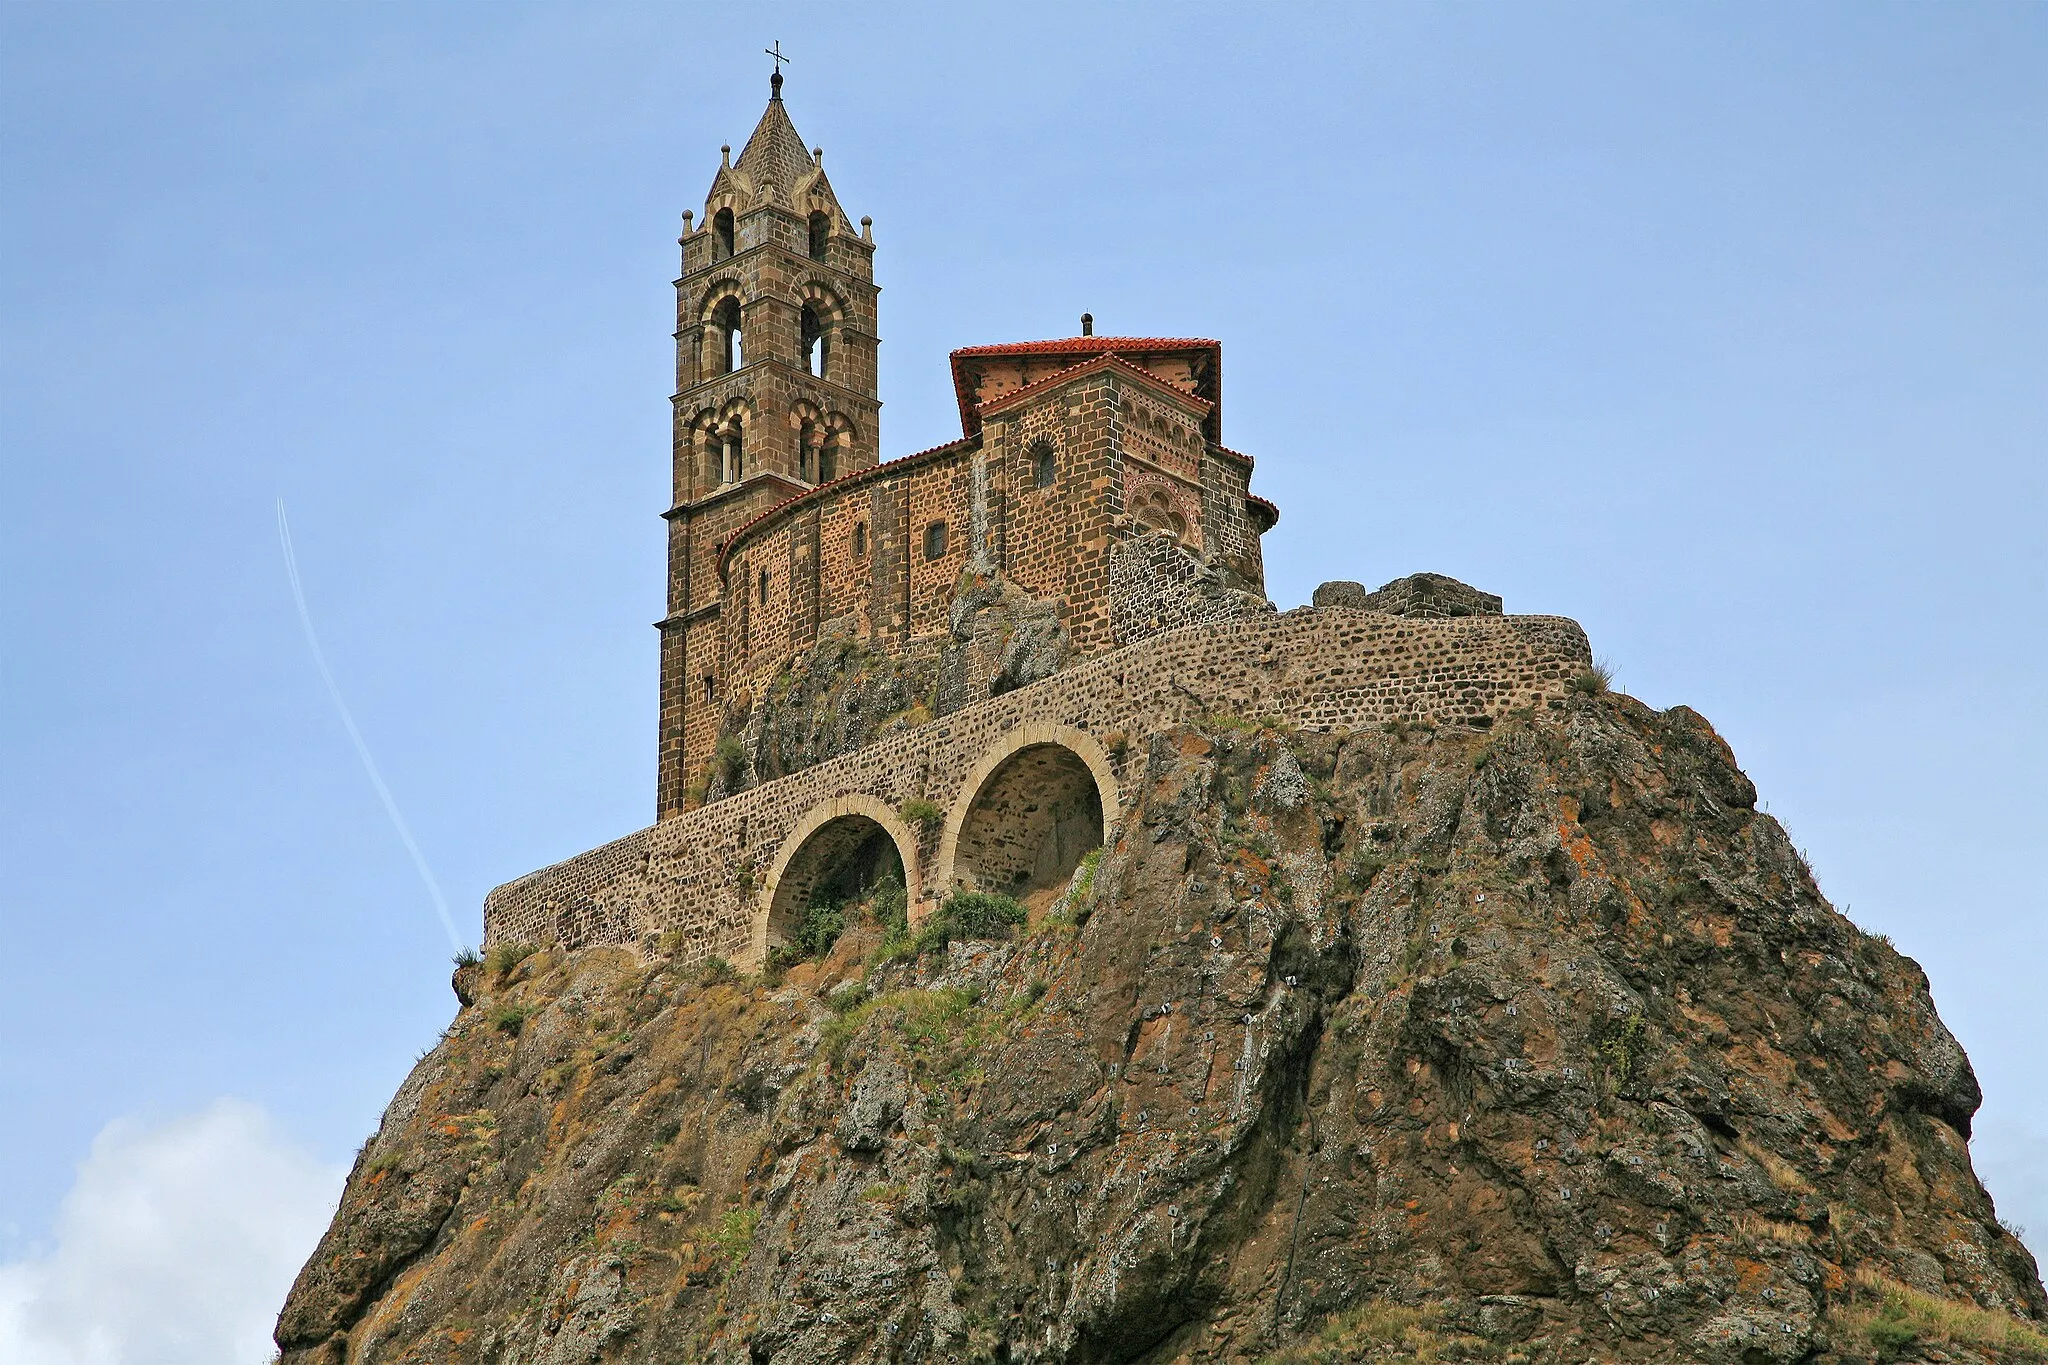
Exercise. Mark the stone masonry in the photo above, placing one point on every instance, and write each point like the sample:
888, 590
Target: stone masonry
1078, 572
708, 875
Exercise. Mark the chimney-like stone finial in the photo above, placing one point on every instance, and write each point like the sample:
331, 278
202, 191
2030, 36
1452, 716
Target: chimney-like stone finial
1087, 324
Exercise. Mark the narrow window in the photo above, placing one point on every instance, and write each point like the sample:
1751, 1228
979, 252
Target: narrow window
935, 540
710, 688
821, 234
828, 457
812, 337
1045, 464
860, 540
761, 586
726, 318
721, 234
735, 453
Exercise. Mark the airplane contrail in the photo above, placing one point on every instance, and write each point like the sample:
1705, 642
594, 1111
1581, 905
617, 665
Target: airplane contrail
291, 567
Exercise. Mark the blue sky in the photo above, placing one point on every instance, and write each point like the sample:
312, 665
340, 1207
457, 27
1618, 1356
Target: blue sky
1721, 328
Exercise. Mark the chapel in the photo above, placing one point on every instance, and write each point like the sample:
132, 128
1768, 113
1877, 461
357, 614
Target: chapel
1090, 474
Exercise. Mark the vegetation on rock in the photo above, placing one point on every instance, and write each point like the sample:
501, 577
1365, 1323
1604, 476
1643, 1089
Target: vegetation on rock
1534, 1044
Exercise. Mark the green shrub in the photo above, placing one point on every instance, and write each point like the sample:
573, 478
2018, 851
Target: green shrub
970, 915
889, 903
468, 957
715, 971
735, 1236
1622, 1044
511, 1018
922, 813
505, 956
729, 757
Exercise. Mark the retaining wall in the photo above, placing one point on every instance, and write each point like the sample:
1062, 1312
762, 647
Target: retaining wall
706, 873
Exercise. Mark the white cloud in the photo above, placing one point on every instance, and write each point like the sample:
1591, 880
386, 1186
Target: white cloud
175, 1246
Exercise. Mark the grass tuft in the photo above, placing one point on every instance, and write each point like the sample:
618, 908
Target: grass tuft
500, 961
1892, 1321
1595, 680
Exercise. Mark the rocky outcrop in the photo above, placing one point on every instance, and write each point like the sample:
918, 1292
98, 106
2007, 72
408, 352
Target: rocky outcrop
1539, 1044
844, 692
1428, 595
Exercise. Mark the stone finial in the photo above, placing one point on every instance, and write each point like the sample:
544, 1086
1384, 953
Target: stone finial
689, 218
817, 156
867, 228
725, 156
1087, 324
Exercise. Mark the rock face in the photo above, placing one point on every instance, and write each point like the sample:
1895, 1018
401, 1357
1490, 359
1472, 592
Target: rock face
1535, 1044
1429, 595
844, 693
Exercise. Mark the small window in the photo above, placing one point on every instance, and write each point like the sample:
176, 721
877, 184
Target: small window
811, 339
761, 586
721, 234
1045, 464
935, 540
821, 234
860, 540
710, 688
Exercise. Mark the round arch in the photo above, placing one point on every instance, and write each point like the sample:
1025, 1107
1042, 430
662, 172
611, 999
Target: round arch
829, 834
1029, 810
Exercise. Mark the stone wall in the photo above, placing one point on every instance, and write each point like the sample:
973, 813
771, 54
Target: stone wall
705, 874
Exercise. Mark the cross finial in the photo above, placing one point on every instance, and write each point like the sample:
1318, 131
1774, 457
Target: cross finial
775, 81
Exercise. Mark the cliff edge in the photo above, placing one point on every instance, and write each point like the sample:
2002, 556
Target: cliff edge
1536, 1043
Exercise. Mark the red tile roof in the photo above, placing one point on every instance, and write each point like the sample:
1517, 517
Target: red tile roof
842, 482
1101, 362
970, 411
1090, 345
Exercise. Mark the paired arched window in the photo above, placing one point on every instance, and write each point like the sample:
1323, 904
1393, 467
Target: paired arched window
1045, 464
726, 318
821, 234
813, 342
935, 540
721, 234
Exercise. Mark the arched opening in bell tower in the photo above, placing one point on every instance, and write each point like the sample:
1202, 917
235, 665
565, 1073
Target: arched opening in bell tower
732, 462
726, 318
721, 234
813, 342
821, 233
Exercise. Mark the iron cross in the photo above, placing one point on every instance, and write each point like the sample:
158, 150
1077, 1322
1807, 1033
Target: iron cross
776, 53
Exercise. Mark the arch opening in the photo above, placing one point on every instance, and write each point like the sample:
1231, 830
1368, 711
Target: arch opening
820, 233
721, 234
842, 862
813, 342
1033, 820
733, 346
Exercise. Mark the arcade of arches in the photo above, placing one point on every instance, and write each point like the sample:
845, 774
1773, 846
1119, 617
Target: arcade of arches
1025, 818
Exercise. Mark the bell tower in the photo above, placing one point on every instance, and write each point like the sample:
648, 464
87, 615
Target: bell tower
775, 391
775, 323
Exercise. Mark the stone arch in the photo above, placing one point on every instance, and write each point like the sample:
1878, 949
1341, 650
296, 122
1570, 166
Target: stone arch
1029, 811
831, 839
824, 299
716, 292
